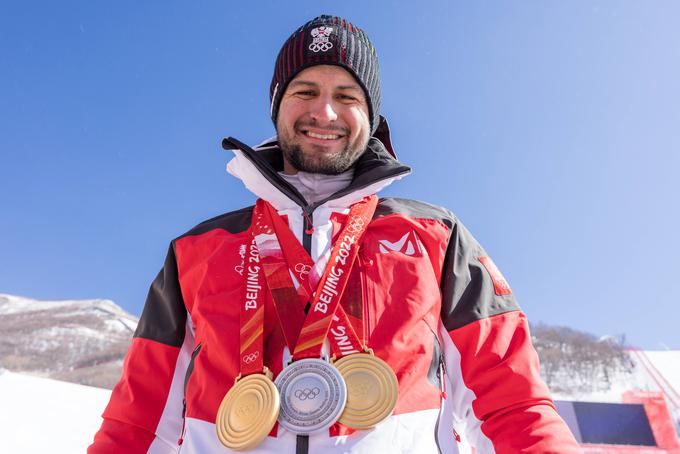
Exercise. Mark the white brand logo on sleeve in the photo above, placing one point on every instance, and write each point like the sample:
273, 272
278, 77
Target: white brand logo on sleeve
407, 244
321, 41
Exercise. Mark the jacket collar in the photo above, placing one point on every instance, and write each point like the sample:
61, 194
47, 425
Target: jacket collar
259, 169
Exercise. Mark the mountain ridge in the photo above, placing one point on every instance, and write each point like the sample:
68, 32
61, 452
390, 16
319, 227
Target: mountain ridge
81, 341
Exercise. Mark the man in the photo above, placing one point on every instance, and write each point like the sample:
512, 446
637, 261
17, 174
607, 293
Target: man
417, 295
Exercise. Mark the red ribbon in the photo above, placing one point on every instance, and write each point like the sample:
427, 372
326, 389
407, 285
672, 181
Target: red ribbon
305, 334
252, 313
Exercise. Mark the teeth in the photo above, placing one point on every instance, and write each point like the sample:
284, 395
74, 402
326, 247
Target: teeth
322, 136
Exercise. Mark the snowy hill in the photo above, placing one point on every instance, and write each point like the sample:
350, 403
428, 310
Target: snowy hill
82, 341
39, 415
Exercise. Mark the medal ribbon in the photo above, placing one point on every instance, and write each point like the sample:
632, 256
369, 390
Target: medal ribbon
327, 297
252, 313
305, 334
343, 338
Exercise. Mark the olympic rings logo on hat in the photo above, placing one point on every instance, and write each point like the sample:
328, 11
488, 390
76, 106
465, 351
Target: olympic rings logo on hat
306, 393
355, 224
321, 43
250, 357
302, 269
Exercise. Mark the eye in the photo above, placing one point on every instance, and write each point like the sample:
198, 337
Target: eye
347, 97
304, 93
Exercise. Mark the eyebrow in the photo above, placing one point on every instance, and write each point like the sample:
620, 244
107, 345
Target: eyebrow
314, 84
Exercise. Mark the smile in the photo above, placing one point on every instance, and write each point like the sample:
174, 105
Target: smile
321, 136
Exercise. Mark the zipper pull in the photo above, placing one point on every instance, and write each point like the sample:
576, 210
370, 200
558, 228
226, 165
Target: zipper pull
309, 223
441, 372
184, 420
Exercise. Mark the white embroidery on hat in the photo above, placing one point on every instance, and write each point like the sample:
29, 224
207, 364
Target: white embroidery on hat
271, 105
321, 41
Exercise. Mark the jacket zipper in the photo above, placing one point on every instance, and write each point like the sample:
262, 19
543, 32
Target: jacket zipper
308, 228
302, 441
364, 294
441, 371
190, 369
184, 422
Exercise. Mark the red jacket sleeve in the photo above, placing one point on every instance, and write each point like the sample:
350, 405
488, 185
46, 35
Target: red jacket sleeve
497, 391
145, 408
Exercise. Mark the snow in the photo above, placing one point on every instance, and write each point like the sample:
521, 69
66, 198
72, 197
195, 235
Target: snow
55, 332
121, 325
663, 375
664, 368
668, 365
12, 304
39, 415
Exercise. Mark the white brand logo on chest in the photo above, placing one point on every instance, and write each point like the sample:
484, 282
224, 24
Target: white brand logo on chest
407, 244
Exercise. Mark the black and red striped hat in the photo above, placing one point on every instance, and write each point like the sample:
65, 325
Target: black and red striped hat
328, 40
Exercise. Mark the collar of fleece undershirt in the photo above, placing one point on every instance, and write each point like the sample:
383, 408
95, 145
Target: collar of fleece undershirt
316, 186
260, 170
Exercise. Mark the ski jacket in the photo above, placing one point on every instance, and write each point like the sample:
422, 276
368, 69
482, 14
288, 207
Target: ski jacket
436, 309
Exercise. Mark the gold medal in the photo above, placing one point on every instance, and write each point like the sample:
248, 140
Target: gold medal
248, 412
372, 390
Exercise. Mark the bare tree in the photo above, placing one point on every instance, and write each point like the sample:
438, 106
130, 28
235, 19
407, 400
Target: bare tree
575, 361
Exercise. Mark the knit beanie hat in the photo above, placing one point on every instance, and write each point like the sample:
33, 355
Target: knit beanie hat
328, 40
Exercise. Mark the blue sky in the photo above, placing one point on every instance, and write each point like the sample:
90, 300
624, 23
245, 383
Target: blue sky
552, 129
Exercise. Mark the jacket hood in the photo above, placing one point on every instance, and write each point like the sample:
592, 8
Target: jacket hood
259, 169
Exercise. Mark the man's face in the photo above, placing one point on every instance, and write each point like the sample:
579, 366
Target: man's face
323, 125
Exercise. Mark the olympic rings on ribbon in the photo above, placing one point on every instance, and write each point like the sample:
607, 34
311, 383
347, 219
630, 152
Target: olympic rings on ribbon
355, 224
251, 357
302, 269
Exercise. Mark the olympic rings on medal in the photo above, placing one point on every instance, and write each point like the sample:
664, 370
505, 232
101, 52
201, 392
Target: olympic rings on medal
250, 357
302, 269
306, 393
355, 224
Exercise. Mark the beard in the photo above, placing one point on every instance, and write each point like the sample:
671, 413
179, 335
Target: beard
316, 159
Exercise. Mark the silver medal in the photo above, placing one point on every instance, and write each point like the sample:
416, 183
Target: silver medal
313, 395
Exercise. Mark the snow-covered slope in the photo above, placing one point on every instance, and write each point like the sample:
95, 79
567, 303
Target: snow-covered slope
82, 341
651, 371
663, 368
40, 415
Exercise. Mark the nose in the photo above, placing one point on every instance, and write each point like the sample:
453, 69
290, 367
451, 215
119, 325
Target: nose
323, 110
